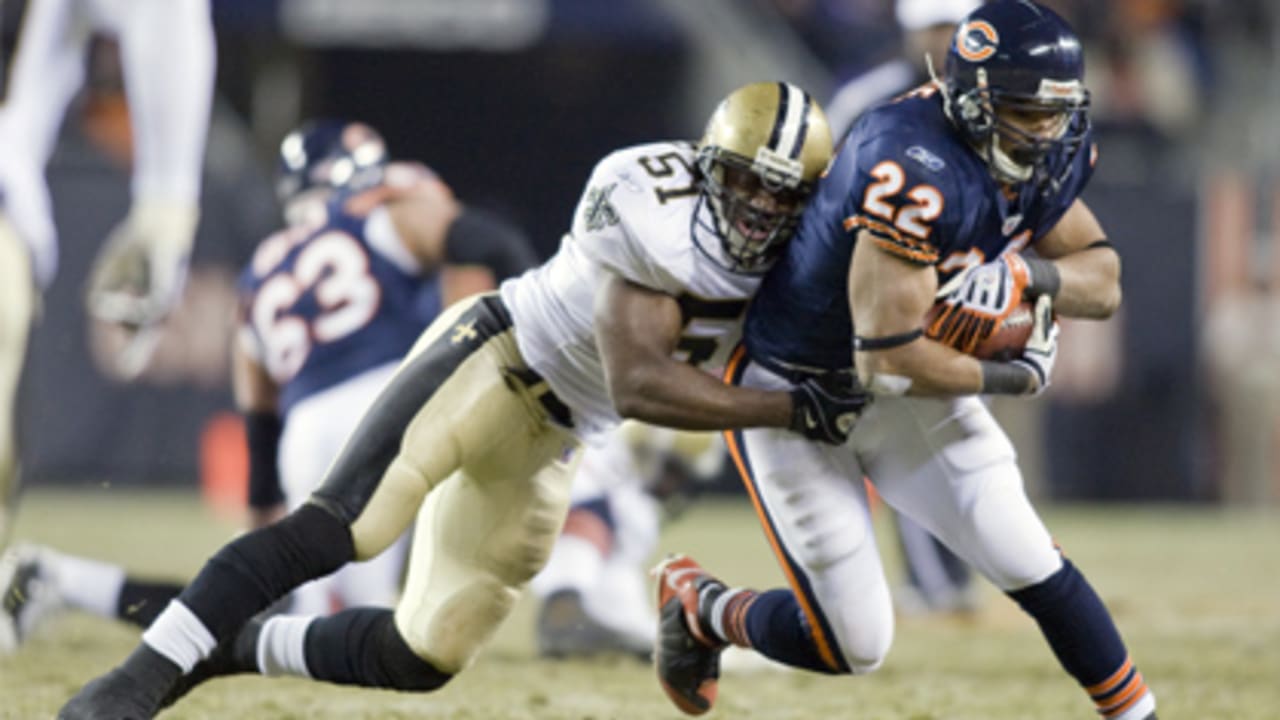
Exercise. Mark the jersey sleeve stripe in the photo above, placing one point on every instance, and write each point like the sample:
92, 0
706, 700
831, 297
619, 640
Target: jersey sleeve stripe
889, 239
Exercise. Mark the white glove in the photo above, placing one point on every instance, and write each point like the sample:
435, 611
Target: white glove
978, 299
139, 274
1042, 347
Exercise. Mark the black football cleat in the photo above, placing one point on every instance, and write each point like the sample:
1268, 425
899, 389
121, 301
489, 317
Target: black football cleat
114, 696
687, 655
231, 657
28, 594
131, 691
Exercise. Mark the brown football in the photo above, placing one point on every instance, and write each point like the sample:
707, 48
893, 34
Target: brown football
1009, 338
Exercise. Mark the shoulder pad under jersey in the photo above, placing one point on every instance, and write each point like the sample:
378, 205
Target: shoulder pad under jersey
906, 190
634, 216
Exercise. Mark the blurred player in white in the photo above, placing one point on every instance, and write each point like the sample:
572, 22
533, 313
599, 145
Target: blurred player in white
371, 253
476, 434
168, 55
594, 589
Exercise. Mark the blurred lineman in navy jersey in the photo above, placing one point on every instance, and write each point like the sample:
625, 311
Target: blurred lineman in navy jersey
936, 579
932, 199
372, 252
167, 48
476, 435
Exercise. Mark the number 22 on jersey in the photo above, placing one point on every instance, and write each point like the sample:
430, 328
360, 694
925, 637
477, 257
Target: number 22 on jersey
912, 218
335, 267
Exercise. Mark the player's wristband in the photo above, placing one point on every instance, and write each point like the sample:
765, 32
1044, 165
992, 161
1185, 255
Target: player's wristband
1045, 279
1002, 378
262, 430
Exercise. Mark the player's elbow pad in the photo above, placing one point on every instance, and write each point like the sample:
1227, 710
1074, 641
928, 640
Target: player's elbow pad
477, 237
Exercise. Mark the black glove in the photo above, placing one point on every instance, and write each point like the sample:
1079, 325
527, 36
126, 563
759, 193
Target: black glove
825, 407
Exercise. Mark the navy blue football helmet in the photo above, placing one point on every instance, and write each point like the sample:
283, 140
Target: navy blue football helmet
327, 154
1017, 59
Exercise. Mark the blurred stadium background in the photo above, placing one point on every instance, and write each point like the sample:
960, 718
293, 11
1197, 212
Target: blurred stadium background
512, 101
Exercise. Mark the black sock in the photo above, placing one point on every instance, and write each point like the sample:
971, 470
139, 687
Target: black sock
361, 646
258, 568
140, 602
154, 673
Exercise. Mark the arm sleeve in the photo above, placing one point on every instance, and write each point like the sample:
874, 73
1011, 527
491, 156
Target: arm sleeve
263, 430
167, 49
477, 237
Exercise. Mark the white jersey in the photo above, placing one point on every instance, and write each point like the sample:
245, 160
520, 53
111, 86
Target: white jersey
640, 218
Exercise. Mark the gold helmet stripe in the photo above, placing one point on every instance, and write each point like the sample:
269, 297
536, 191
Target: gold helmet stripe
791, 126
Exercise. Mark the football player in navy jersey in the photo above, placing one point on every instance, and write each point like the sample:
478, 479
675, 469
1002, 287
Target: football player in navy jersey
371, 252
938, 197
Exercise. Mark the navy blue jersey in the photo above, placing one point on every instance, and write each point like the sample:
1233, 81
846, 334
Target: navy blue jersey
322, 304
906, 177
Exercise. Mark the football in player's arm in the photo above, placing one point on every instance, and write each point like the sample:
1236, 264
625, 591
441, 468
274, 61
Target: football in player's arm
888, 297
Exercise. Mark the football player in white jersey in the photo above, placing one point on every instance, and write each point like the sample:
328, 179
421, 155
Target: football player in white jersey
476, 433
168, 55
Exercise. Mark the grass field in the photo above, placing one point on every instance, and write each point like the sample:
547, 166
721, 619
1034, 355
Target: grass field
1196, 593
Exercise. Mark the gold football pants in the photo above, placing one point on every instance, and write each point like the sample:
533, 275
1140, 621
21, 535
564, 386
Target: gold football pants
477, 435
17, 310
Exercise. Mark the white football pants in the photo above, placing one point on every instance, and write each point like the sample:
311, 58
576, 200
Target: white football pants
942, 462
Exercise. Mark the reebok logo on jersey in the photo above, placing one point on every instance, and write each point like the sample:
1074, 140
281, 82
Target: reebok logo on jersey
1011, 223
931, 162
598, 212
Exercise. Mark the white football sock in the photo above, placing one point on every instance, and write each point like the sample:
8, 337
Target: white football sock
717, 611
574, 565
282, 646
1140, 709
84, 584
180, 636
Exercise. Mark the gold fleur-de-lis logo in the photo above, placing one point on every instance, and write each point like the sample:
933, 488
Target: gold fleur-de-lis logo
463, 332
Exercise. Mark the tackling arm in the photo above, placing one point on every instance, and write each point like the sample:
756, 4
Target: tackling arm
637, 330
1088, 272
